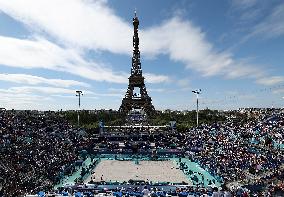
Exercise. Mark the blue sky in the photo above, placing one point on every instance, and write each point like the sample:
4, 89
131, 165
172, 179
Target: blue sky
232, 50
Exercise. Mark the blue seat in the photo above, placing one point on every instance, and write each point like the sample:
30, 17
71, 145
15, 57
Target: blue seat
41, 194
183, 194
78, 194
117, 194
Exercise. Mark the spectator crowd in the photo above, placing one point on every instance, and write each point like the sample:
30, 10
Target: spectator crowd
38, 148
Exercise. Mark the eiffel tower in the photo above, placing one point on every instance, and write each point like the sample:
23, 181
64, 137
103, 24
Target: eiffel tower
133, 100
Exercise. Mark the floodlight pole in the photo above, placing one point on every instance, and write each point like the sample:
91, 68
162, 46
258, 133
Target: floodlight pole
79, 93
197, 92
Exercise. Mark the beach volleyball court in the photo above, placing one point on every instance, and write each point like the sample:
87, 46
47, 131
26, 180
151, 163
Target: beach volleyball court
155, 171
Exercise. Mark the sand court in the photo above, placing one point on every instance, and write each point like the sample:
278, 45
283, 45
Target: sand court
156, 171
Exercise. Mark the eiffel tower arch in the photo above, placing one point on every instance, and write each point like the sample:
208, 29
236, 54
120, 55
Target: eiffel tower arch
132, 100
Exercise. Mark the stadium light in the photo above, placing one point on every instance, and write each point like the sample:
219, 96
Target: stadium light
79, 93
197, 92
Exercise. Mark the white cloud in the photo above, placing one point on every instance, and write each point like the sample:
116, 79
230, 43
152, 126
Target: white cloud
248, 11
45, 98
183, 82
40, 53
153, 78
186, 43
35, 80
109, 95
271, 26
117, 90
93, 25
271, 80
41, 90
104, 30
242, 69
159, 90
12, 100
72, 96
83, 23
278, 91
55, 91
244, 4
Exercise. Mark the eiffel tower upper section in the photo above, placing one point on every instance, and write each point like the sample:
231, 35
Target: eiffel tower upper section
136, 80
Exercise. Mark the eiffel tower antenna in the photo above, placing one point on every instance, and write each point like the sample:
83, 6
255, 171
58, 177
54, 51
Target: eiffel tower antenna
133, 100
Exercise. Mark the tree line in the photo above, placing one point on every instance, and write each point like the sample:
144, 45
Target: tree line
187, 119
